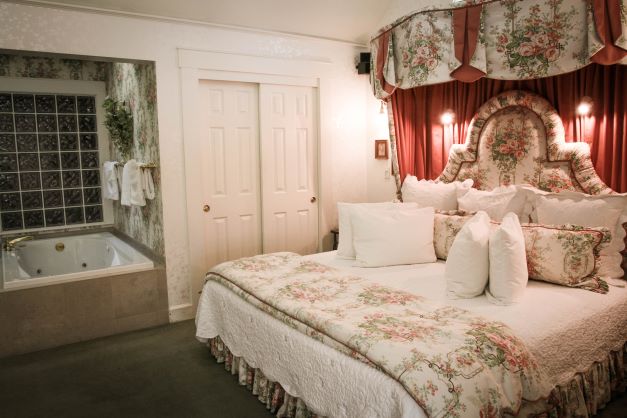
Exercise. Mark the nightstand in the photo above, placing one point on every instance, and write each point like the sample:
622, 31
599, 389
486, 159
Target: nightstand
336, 237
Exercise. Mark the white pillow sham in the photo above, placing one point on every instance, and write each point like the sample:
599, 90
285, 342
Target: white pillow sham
429, 193
497, 202
608, 211
508, 262
345, 248
392, 237
467, 265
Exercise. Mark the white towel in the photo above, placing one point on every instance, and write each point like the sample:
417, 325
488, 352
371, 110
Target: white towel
111, 190
132, 193
118, 170
147, 184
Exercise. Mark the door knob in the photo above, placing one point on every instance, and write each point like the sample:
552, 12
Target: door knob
313, 199
206, 208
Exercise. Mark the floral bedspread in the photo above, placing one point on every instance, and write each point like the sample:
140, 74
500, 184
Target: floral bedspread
452, 362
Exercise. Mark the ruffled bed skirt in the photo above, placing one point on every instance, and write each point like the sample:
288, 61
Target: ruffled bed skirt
583, 396
270, 393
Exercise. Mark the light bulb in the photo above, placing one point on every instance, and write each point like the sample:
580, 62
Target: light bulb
447, 117
584, 108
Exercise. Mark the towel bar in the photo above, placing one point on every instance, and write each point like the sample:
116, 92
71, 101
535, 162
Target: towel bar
141, 165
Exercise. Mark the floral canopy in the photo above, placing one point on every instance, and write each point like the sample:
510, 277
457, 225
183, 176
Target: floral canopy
509, 39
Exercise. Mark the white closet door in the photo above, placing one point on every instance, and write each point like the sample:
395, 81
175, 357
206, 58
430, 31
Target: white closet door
230, 170
289, 137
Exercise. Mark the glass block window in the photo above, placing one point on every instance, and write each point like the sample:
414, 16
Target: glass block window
49, 162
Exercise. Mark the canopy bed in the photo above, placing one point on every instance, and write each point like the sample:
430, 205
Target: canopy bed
318, 336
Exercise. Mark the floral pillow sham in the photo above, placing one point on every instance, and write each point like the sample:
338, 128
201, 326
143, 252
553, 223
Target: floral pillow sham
567, 255
446, 225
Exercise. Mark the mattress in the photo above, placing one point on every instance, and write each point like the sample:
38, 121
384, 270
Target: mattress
566, 329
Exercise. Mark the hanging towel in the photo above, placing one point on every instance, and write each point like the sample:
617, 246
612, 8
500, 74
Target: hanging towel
111, 189
132, 193
147, 184
118, 170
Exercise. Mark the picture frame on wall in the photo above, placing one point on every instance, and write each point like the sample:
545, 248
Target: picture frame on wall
381, 149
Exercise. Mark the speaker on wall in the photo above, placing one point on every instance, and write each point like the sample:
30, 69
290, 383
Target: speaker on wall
363, 66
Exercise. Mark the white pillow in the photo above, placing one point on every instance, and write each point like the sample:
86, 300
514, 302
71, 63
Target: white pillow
345, 248
609, 211
508, 262
467, 265
429, 193
496, 203
393, 237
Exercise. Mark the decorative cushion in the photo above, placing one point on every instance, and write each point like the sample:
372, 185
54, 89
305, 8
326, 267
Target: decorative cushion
446, 225
508, 263
429, 193
345, 248
567, 255
391, 237
467, 266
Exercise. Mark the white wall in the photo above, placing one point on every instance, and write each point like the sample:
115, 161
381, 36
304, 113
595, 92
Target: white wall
381, 185
65, 31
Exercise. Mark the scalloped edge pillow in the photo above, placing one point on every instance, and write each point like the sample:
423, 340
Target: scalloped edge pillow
435, 194
497, 202
605, 211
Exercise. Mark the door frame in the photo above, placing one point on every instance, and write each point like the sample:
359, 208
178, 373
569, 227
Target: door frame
198, 65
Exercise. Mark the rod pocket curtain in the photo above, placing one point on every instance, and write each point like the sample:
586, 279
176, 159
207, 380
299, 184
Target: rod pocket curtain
422, 143
506, 40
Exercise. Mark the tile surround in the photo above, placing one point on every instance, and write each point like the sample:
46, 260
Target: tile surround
49, 148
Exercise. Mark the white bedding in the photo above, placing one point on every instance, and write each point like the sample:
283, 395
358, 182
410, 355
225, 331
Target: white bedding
567, 330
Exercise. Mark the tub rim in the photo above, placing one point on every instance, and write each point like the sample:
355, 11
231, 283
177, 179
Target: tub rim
153, 261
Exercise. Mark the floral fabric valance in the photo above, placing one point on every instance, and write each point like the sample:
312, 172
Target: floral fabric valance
508, 39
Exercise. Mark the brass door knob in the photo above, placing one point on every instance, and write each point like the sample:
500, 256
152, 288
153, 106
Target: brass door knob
206, 208
313, 199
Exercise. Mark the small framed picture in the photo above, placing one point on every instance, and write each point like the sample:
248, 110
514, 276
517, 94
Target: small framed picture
381, 149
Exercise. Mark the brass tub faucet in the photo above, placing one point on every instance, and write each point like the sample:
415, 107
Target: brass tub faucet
11, 244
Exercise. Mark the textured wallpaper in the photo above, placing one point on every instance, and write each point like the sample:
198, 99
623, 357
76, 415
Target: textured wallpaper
45, 67
136, 85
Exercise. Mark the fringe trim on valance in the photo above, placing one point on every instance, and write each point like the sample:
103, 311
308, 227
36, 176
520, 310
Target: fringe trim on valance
584, 395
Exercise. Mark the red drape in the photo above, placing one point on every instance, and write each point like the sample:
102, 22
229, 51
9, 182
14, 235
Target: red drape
423, 142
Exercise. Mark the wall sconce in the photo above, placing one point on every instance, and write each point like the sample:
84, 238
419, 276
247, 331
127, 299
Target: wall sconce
382, 108
584, 107
447, 118
583, 111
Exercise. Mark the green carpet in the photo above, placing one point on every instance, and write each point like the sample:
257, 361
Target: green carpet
160, 372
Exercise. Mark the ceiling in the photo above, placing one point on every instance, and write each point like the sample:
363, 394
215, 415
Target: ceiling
346, 20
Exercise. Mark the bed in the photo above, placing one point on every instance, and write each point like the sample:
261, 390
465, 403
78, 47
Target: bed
577, 337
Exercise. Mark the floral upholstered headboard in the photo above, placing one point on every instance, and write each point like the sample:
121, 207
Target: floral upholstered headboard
517, 137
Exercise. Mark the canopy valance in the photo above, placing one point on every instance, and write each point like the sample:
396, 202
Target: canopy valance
509, 39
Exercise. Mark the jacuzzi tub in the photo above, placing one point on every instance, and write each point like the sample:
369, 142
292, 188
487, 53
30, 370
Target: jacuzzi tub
69, 258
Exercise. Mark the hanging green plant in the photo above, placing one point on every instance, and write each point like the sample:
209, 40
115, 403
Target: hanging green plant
119, 123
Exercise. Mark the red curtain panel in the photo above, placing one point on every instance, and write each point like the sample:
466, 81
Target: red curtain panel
423, 142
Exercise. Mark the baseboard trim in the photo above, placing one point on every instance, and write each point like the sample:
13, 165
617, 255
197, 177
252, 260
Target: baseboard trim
181, 312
